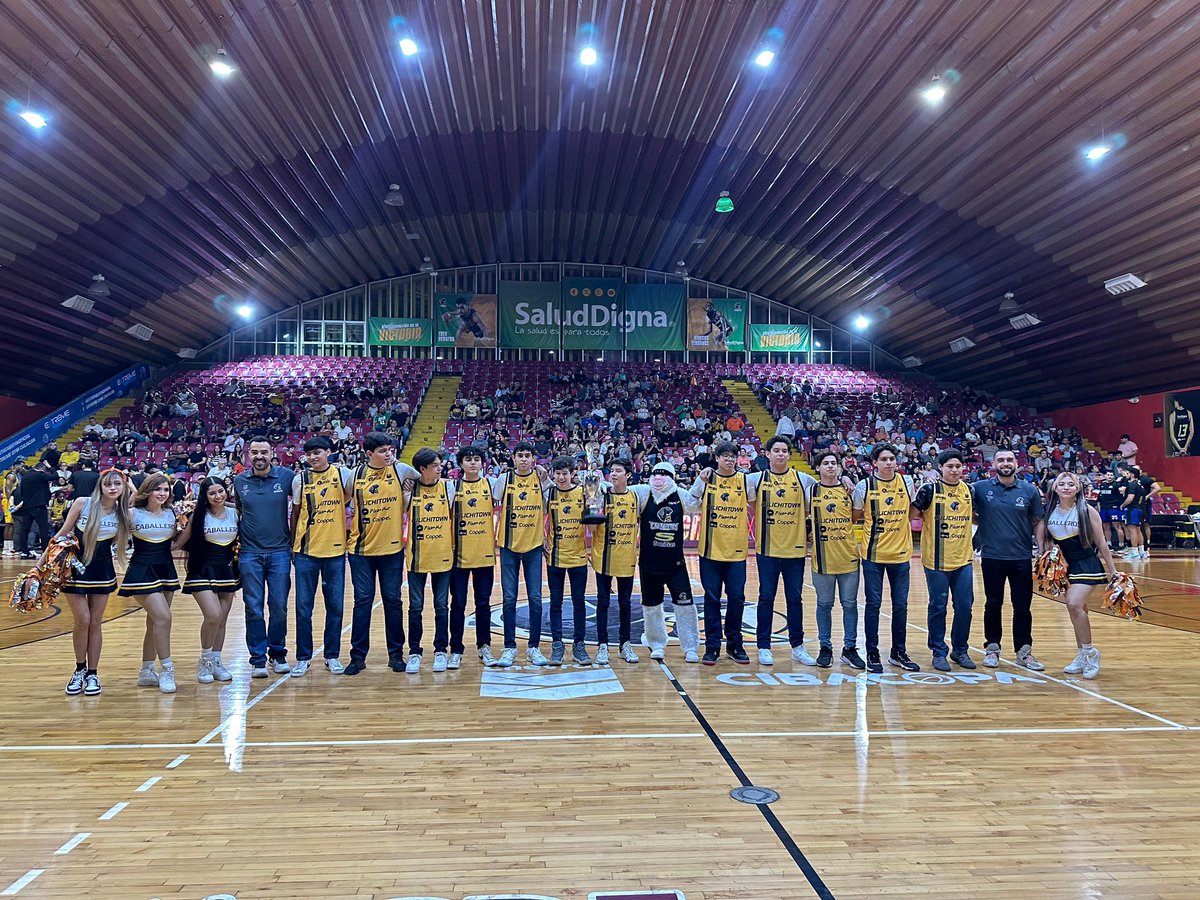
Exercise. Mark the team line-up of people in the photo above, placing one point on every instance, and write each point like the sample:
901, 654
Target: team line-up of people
383, 515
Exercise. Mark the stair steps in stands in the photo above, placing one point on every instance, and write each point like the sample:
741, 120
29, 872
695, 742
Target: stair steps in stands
74, 434
762, 420
430, 423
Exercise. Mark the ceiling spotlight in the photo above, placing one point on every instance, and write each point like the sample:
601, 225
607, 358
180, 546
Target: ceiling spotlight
765, 58
245, 310
427, 267
724, 203
393, 197
681, 269
588, 56
935, 93
408, 46
1009, 303
861, 322
33, 119
817, 344
98, 287
1099, 151
221, 65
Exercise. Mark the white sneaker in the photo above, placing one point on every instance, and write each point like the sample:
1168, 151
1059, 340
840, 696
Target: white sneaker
218, 669
1075, 666
800, 655
1091, 663
1145, 554
414, 664
991, 655
507, 657
602, 655
439, 661
335, 666
281, 667
91, 685
1026, 659
204, 672
75, 685
455, 661
658, 652
766, 658
692, 656
628, 654
258, 671
148, 677
166, 681
534, 655
485, 656
300, 668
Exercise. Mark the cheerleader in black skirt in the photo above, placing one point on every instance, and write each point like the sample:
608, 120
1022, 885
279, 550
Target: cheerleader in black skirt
210, 538
151, 578
88, 593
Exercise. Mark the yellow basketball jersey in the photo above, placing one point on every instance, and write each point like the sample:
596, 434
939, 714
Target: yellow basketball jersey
724, 534
887, 534
835, 551
565, 543
522, 514
946, 528
474, 525
376, 528
615, 541
321, 528
779, 514
430, 532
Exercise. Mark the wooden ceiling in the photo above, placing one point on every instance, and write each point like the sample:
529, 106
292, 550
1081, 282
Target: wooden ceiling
190, 193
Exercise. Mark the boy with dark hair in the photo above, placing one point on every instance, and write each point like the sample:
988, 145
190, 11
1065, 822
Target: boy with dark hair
474, 556
521, 533
614, 555
566, 558
429, 500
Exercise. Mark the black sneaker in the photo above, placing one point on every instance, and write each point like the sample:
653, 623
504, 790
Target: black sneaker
900, 660
711, 657
873, 663
740, 656
851, 658
825, 657
354, 668
962, 658
396, 664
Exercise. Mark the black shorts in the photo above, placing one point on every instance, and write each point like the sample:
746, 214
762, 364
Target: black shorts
679, 583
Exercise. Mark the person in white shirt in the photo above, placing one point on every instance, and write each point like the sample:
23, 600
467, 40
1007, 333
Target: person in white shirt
341, 430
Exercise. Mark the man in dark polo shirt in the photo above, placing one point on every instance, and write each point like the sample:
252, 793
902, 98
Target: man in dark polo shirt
1007, 509
265, 556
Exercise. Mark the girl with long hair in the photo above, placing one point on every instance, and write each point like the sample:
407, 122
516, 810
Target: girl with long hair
151, 578
210, 537
1074, 526
100, 524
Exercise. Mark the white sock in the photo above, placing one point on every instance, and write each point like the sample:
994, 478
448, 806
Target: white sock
1085, 646
147, 664
167, 664
206, 653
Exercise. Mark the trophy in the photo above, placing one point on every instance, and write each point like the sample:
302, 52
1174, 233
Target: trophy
593, 496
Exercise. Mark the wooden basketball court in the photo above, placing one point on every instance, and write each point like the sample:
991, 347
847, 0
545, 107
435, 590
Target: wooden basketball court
576, 782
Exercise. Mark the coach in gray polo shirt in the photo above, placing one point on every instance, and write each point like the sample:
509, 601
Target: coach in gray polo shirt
1007, 509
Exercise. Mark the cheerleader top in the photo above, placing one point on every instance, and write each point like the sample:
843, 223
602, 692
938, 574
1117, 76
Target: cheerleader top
108, 521
1063, 523
219, 536
152, 533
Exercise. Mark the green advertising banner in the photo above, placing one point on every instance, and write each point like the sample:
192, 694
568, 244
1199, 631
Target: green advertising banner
780, 338
464, 320
529, 314
654, 316
716, 325
400, 332
593, 313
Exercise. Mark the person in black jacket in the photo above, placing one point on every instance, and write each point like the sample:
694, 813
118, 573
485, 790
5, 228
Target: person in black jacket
35, 504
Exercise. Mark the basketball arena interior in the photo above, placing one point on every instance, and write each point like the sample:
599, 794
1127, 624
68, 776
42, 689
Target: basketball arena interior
695, 449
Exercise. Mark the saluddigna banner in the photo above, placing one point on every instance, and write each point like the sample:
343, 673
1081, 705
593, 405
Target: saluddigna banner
716, 325
654, 316
465, 320
400, 332
779, 338
592, 313
529, 314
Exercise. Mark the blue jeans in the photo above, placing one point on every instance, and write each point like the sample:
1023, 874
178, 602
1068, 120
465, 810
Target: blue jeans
960, 585
847, 587
332, 572
872, 577
416, 609
266, 580
731, 576
556, 578
770, 569
389, 569
511, 564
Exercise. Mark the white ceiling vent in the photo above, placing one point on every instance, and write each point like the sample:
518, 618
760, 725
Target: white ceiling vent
140, 331
1025, 320
186, 353
1123, 284
958, 345
80, 303
911, 362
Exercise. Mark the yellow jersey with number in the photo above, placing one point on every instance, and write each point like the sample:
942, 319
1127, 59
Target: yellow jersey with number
835, 551
946, 528
522, 513
779, 516
615, 540
566, 546
474, 525
887, 533
321, 527
377, 526
430, 531
724, 532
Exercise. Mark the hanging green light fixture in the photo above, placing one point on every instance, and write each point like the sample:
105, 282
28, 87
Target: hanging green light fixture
724, 203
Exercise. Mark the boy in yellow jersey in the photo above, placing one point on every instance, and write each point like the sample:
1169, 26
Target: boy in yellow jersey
614, 555
566, 558
780, 546
724, 545
474, 556
319, 551
376, 550
835, 559
520, 533
429, 500
947, 554
882, 501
